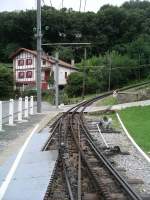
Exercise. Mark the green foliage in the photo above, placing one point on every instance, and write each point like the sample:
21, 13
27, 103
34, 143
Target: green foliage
140, 49
108, 101
65, 53
51, 80
74, 84
110, 28
120, 68
48, 95
6, 81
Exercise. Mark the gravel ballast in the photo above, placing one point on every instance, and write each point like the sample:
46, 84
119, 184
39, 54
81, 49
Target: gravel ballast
135, 165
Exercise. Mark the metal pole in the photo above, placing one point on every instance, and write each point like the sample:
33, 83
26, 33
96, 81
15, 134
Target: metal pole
109, 78
83, 84
39, 37
56, 80
79, 166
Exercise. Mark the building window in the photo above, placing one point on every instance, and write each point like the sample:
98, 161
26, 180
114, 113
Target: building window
20, 62
29, 74
44, 62
66, 75
20, 75
28, 61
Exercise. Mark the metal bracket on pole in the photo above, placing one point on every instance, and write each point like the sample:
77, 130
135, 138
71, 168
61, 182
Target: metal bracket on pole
1, 117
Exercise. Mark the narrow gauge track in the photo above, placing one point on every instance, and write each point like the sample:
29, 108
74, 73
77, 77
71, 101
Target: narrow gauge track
82, 171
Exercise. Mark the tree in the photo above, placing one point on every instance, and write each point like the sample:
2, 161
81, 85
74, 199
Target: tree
74, 84
6, 82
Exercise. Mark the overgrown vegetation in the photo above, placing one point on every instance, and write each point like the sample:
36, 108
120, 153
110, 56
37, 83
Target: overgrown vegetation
111, 28
106, 72
6, 81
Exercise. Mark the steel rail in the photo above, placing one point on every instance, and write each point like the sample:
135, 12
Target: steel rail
109, 166
45, 146
85, 102
68, 182
73, 111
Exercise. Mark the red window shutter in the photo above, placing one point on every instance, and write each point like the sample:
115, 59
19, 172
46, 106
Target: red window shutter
29, 74
20, 74
20, 62
28, 61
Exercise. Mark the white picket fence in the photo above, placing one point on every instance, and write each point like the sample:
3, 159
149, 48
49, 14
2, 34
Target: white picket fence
25, 108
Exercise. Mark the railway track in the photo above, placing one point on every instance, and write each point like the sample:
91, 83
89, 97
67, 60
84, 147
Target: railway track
82, 171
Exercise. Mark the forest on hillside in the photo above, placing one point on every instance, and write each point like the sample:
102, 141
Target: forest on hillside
111, 28
120, 35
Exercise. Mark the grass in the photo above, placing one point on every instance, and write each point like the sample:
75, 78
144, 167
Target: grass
137, 121
107, 101
74, 100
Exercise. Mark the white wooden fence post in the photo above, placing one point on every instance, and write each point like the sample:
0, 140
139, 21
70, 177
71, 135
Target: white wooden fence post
31, 105
20, 109
11, 112
1, 116
26, 113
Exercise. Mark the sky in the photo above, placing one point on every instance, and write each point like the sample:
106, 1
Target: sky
91, 5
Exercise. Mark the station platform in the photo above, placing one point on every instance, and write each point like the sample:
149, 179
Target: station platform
28, 178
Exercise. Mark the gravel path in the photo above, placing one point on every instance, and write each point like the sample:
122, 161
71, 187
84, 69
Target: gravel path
136, 166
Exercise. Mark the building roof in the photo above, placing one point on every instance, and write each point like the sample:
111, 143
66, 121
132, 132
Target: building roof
44, 57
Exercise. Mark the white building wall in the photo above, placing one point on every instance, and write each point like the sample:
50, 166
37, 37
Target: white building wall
23, 56
62, 70
26, 55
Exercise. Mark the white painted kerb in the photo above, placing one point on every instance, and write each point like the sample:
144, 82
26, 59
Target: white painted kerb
131, 139
11, 172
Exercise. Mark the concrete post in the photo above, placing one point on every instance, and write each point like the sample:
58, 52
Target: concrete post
26, 113
11, 112
1, 116
31, 105
20, 109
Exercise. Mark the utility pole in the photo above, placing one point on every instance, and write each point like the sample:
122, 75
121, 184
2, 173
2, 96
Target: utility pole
39, 38
109, 78
57, 80
83, 84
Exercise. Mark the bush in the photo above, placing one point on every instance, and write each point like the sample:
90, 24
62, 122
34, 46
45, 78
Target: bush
74, 84
6, 82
